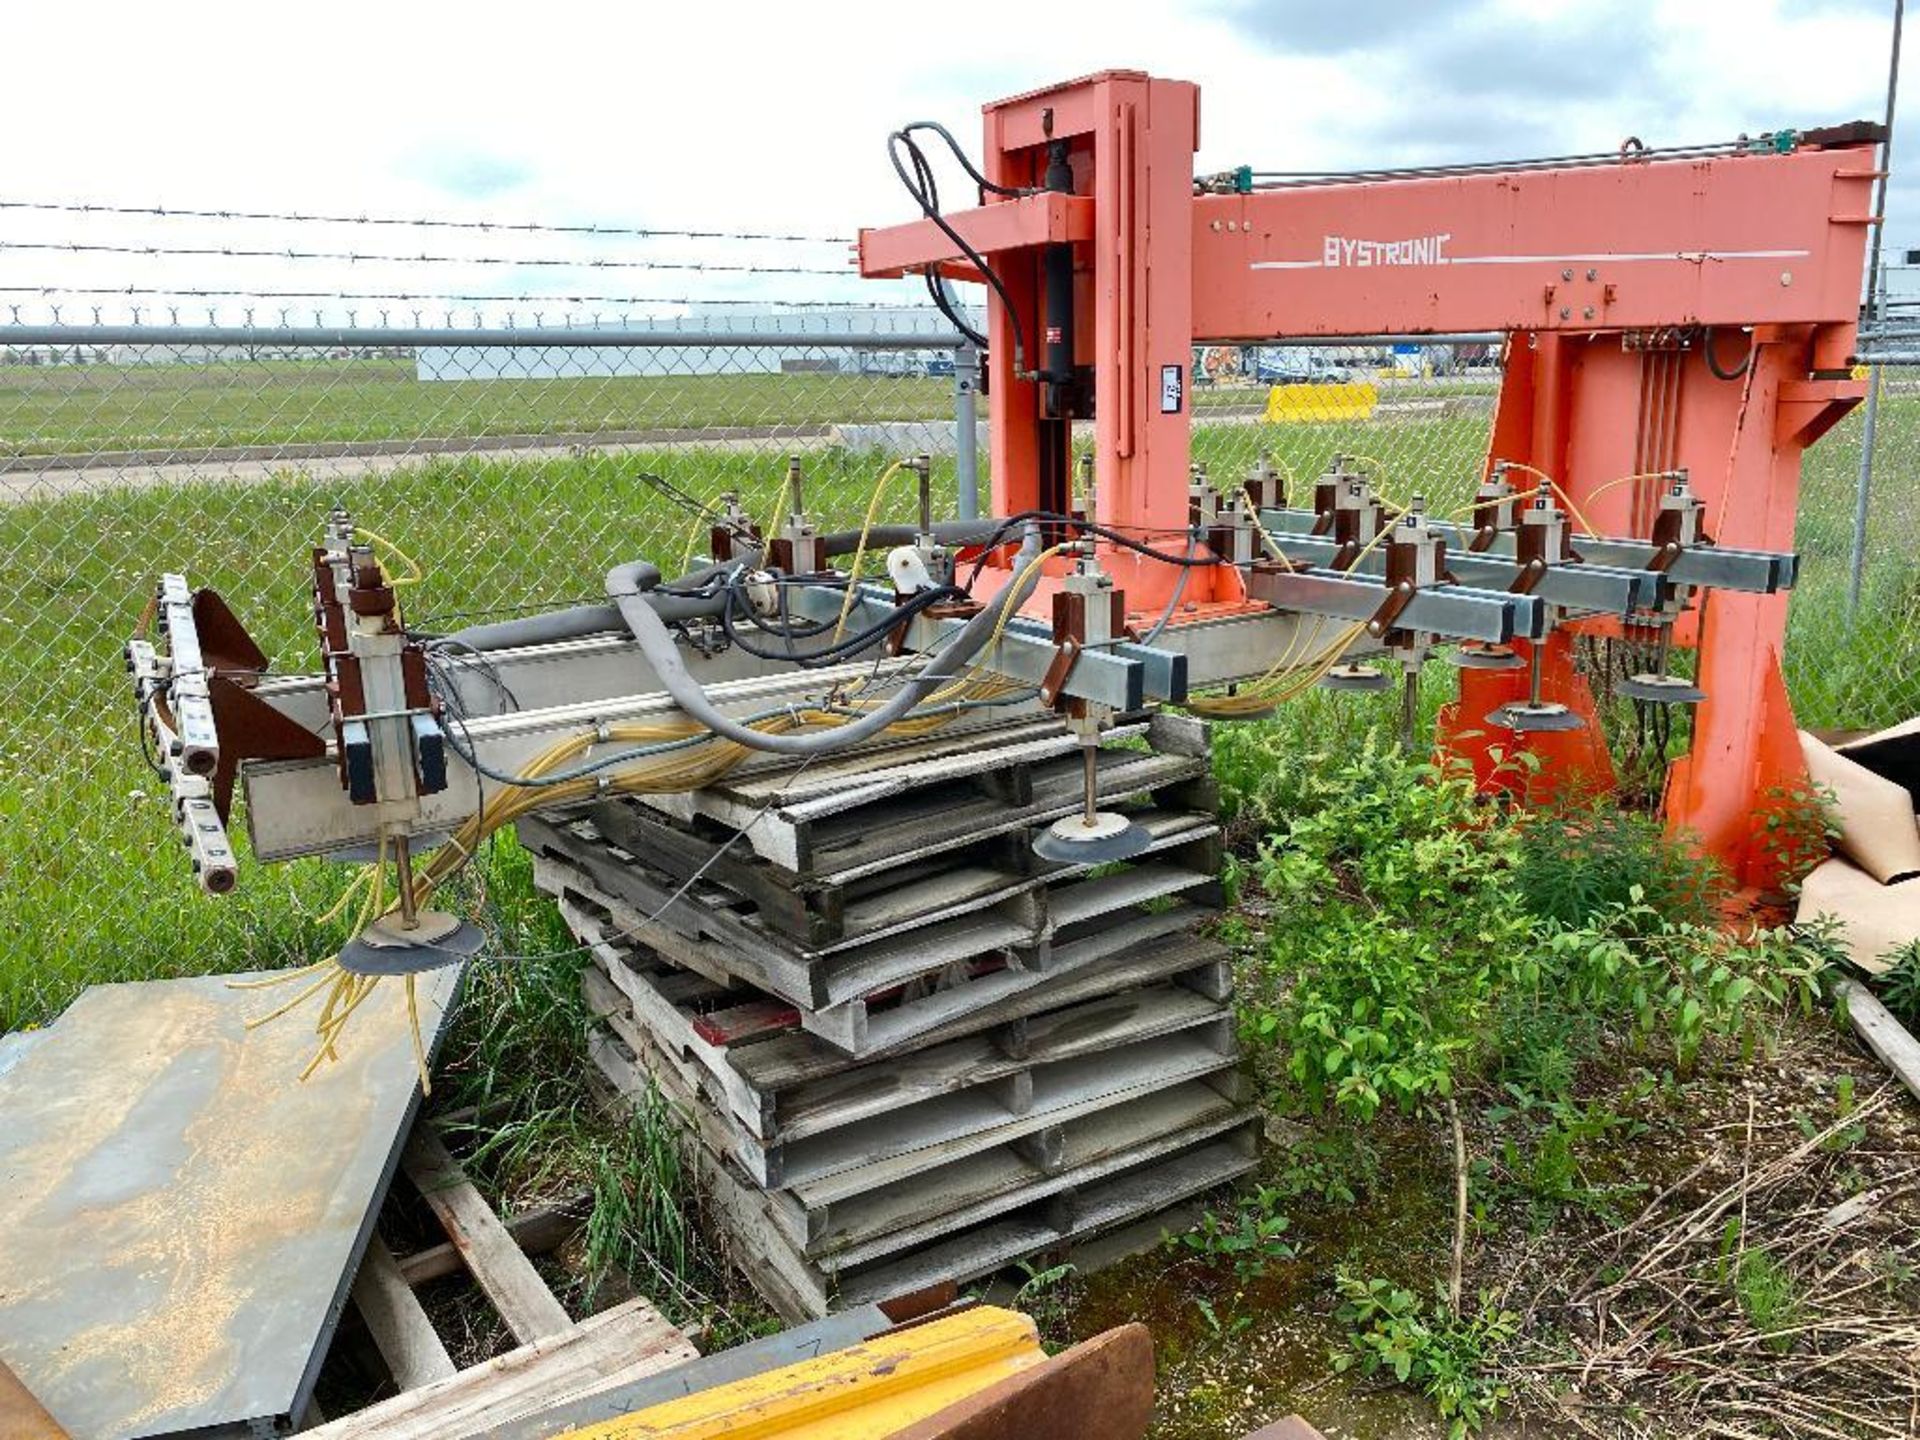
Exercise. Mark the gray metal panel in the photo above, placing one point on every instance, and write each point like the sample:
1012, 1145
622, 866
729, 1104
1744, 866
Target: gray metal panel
1450, 610
1598, 588
184, 1215
1756, 572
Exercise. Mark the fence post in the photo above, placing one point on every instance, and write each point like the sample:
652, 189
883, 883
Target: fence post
1862, 499
966, 426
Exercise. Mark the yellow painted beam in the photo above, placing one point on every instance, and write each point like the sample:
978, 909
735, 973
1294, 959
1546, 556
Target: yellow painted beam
864, 1392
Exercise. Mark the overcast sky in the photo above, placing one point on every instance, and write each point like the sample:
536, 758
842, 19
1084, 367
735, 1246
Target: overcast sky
772, 116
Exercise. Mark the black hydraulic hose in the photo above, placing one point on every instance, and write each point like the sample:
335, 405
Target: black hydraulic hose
1713, 360
883, 537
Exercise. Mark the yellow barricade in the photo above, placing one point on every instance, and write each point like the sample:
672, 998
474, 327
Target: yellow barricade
1304, 404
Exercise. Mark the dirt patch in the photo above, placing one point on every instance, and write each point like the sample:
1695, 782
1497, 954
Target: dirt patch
1732, 1252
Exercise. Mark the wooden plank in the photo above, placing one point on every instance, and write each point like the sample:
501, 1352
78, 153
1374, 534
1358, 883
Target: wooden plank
724, 1367
537, 1231
916, 827
748, 1020
1884, 1035
915, 930
799, 1288
903, 1083
504, 1273
616, 1347
401, 1331
813, 916
784, 833
22, 1417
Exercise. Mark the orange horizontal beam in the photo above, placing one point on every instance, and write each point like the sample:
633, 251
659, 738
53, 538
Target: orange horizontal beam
1733, 240
1044, 219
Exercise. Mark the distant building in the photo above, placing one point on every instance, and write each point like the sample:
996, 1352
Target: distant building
759, 353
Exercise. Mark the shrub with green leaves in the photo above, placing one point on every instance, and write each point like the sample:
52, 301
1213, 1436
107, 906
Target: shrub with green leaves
1577, 861
1681, 982
1448, 1358
1252, 1237
1403, 957
1899, 987
1395, 925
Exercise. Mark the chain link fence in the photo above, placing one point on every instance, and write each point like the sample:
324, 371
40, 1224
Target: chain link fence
518, 439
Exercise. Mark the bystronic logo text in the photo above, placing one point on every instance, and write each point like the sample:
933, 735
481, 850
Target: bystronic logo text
1420, 250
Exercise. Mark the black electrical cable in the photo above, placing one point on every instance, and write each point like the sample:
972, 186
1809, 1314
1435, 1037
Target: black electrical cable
1713, 363
850, 644
1087, 527
937, 288
965, 164
921, 186
929, 195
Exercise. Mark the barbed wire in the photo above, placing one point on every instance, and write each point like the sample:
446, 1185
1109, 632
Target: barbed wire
460, 297
228, 252
175, 212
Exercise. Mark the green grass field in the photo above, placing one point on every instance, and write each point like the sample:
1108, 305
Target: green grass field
94, 885
84, 409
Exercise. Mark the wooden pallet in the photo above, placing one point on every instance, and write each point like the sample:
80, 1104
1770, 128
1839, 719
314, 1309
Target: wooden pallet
1023, 1109
1031, 927
1103, 1185
558, 1358
845, 886
782, 1088
808, 818
908, 1048
888, 1011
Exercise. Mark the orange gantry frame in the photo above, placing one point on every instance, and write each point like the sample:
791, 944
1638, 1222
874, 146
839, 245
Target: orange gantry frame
1629, 291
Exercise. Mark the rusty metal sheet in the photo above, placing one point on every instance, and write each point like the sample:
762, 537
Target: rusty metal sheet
181, 1216
1102, 1386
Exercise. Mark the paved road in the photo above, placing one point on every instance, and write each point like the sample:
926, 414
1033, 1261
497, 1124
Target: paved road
36, 479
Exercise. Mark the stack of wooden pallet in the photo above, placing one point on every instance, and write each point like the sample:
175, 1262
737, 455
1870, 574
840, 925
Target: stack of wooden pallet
912, 1049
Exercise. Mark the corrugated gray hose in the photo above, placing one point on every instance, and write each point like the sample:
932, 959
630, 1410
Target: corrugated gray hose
583, 620
656, 642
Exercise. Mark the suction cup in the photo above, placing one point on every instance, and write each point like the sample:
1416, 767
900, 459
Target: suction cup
1523, 717
1356, 677
1661, 690
1485, 657
1073, 841
384, 948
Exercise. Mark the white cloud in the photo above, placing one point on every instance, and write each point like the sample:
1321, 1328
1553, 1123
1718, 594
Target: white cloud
766, 116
